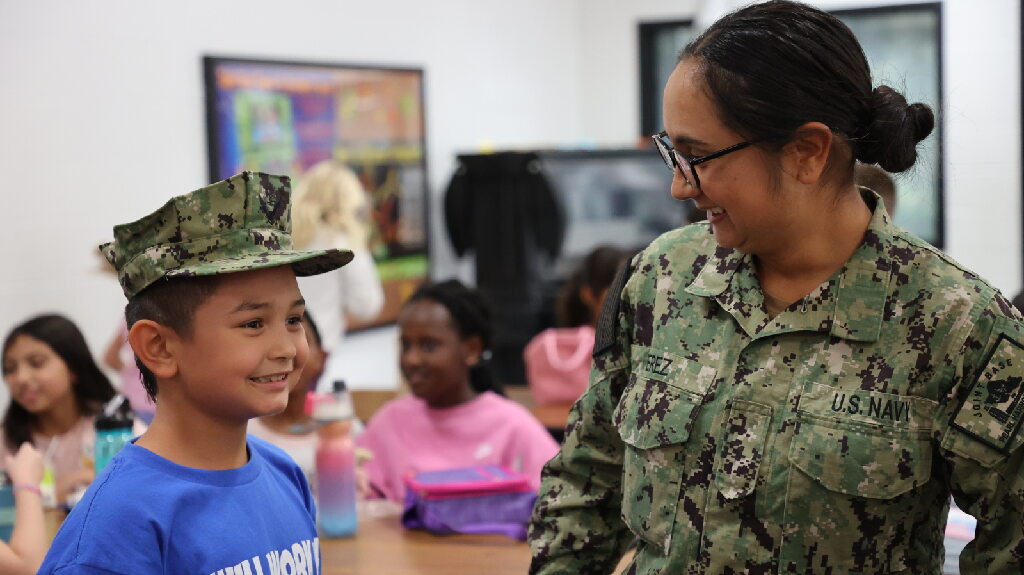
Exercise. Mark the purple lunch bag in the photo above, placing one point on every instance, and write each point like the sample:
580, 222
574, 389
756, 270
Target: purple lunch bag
481, 499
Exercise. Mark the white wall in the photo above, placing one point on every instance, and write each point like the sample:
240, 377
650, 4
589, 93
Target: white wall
102, 119
101, 114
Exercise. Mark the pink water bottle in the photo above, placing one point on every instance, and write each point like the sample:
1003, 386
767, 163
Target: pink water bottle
336, 464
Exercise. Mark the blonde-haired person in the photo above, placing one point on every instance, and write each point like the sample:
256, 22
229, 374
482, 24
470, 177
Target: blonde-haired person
330, 210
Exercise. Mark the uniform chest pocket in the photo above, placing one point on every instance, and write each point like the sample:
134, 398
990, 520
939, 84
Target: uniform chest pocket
865, 473
654, 418
863, 444
861, 461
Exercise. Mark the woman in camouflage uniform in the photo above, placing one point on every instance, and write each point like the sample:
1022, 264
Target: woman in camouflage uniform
797, 385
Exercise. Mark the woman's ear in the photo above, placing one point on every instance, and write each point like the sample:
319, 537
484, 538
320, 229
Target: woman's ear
150, 341
806, 155
472, 349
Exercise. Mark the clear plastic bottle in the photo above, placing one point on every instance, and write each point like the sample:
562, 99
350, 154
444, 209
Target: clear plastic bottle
113, 430
336, 464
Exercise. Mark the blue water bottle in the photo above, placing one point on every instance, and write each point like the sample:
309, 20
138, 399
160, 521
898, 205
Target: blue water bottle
113, 430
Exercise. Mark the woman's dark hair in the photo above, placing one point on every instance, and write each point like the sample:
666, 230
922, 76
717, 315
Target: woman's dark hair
91, 387
772, 67
596, 272
472, 317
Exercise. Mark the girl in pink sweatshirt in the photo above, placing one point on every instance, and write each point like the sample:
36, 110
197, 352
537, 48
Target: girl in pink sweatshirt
456, 416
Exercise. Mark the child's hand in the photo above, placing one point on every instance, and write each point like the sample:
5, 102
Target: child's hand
363, 489
69, 482
26, 466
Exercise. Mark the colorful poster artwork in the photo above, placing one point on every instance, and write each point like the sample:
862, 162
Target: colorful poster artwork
285, 118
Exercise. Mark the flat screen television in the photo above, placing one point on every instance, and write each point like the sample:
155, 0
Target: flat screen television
616, 197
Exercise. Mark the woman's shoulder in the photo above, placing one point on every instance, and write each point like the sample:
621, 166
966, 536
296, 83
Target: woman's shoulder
692, 238
925, 270
680, 254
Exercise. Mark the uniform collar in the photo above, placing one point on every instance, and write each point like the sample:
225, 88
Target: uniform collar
850, 305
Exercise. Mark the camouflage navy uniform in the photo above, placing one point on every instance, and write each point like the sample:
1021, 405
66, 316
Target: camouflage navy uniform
825, 440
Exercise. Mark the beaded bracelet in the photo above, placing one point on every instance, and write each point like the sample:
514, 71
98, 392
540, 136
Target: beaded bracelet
29, 487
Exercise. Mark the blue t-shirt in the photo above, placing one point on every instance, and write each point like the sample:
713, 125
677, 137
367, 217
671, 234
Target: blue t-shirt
145, 514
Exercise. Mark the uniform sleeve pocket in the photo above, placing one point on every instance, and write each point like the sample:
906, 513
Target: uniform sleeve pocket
861, 461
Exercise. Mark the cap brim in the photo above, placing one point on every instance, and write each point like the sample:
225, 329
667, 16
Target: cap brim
305, 263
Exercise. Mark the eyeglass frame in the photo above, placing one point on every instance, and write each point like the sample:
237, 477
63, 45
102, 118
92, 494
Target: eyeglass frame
676, 160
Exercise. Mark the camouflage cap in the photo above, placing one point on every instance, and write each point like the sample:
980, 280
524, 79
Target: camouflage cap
241, 223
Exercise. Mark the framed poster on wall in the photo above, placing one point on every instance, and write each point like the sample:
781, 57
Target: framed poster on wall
285, 117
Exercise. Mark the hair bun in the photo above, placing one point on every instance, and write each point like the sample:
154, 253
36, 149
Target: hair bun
890, 138
923, 120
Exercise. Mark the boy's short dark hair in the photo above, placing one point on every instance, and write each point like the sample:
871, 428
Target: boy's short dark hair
171, 302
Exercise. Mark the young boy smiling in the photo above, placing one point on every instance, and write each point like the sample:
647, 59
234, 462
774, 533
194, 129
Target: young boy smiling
214, 316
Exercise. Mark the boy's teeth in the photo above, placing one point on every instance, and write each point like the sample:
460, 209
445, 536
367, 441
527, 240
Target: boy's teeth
716, 211
267, 378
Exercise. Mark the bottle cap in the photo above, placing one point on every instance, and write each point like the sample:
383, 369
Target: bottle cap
116, 414
334, 406
335, 428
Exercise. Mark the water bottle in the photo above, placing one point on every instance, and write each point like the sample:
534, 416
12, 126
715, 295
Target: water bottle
6, 508
336, 463
113, 430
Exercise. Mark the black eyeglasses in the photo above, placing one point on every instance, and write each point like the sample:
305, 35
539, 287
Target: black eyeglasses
686, 164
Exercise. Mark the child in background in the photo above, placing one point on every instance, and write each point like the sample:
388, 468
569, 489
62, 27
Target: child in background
56, 391
119, 357
214, 316
28, 542
455, 417
293, 430
558, 359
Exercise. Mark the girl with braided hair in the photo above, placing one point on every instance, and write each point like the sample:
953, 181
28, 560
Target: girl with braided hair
456, 415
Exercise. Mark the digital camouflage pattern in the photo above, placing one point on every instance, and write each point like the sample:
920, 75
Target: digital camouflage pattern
241, 223
825, 440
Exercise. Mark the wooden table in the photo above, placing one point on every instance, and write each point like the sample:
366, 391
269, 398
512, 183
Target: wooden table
383, 546
552, 416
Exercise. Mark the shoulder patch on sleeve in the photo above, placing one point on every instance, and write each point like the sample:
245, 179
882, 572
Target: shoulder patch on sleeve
607, 323
994, 408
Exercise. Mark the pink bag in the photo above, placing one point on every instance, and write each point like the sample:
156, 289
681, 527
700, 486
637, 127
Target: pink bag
558, 364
